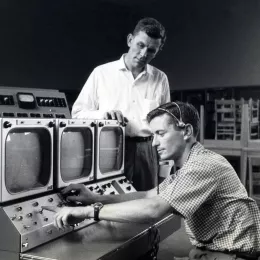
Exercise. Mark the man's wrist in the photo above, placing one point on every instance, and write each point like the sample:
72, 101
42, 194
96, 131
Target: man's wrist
89, 213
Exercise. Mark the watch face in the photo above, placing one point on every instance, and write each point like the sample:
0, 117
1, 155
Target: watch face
98, 205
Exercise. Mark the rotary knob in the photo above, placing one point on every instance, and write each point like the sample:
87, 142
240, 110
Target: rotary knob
51, 124
26, 226
62, 124
7, 124
35, 204
6, 99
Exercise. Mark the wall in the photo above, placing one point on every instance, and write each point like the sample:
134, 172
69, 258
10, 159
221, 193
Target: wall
211, 43
56, 44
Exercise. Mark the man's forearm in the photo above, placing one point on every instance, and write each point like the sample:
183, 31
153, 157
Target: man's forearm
109, 199
134, 211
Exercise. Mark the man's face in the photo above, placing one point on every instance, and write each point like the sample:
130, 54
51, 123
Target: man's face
142, 49
168, 139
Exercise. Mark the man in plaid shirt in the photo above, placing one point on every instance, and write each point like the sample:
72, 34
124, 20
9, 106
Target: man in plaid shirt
221, 221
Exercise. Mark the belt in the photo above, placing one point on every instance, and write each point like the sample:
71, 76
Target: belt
138, 139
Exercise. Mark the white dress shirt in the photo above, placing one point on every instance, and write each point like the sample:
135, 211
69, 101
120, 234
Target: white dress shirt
111, 86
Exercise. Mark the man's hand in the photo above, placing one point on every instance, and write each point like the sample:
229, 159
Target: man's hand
67, 216
116, 115
79, 193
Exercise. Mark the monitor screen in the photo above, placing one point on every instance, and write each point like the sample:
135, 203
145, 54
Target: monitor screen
76, 153
27, 159
110, 149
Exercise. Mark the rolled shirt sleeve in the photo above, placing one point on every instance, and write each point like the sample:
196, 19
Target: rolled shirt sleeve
190, 188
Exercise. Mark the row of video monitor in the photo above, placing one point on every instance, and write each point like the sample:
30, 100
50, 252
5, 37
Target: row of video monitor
40, 155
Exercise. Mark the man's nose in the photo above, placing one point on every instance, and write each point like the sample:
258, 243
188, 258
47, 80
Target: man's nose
143, 52
155, 141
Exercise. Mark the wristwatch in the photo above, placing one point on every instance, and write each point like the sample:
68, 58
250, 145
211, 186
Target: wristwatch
97, 207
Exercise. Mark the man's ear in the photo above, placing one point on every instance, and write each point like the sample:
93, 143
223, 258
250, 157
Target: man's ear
129, 39
187, 132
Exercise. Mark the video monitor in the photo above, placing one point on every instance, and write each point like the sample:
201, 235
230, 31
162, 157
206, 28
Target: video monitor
110, 146
27, 151
75, 151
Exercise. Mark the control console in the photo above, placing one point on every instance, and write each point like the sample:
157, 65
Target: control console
37, 103
28, 226
119, 185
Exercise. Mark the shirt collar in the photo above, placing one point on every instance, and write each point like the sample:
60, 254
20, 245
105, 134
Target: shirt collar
196, 147
122, 66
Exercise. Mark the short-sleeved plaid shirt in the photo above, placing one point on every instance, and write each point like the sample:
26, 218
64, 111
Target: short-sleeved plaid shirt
217, 211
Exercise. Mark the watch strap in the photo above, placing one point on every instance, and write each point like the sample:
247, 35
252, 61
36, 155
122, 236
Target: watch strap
97, 207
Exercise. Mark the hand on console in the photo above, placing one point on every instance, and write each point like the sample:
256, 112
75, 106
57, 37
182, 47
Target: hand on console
116, 115
68, 216
79, 193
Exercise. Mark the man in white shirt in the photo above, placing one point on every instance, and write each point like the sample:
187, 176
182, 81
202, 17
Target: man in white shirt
127, 90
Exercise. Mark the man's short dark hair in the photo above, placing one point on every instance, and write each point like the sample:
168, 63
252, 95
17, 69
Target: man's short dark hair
189, 114
152, 28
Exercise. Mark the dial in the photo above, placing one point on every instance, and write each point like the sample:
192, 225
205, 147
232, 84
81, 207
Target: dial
25, 97
26, 100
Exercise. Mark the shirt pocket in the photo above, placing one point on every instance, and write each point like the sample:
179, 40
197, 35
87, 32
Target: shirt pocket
148, 105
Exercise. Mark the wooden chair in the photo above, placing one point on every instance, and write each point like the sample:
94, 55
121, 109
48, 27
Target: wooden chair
254, 177
253, 107
225, 118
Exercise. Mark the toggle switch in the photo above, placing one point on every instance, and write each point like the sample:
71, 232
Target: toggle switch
13, 217
25, 245
40, 211
49, 232
26, 226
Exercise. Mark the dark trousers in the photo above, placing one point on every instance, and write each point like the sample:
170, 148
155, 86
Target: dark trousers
141, 164
197, 253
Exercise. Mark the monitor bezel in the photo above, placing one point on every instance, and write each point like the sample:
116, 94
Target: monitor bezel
25, 123
107, 123
73, 123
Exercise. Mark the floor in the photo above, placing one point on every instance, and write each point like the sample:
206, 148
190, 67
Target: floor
175, 246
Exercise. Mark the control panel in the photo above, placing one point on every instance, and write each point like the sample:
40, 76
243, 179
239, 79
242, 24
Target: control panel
123, 185
30, 225
119, 185
103, 188
38, 103
51, 102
